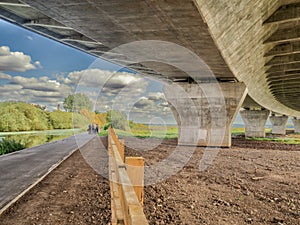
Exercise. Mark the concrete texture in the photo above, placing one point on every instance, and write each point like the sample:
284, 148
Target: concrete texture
205, 111
113, 23
252, 35
279, 124
255, 121
251, 41
296, 123
22, 168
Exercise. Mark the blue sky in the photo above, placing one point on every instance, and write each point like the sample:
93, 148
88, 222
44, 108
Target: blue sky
39, 70
54, 56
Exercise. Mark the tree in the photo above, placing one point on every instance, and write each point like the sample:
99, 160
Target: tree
77, 102
116, 119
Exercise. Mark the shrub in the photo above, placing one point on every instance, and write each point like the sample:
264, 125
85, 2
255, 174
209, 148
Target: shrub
20, 116
7, 146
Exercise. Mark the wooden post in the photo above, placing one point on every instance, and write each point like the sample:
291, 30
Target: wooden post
135, 171
126, 184
121, 149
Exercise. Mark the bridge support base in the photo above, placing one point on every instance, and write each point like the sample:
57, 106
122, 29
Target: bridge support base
296, 123
255, 121
278, 124
204, 112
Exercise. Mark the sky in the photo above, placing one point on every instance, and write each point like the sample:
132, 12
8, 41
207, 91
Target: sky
38, 70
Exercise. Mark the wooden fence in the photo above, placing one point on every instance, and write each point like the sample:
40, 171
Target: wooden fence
126, 184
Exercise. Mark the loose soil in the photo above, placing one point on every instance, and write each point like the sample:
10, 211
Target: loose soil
254, 182
71, 194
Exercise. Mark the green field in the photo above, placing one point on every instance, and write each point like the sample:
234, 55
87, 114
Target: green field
167, 132
145, 131
292, 139
287, 139
241, 130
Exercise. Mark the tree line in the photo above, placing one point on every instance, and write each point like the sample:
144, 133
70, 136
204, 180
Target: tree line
21, 116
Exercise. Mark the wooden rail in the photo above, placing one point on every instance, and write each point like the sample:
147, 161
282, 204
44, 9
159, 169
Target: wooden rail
126, 184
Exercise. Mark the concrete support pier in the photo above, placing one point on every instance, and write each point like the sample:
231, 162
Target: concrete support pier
255, 121
296, 123
204, 112
278, 124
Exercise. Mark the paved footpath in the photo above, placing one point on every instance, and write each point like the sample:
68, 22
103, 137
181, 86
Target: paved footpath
19, 170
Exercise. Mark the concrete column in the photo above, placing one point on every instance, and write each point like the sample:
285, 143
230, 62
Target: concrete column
255, 121
296, 123
204, 112
278, 124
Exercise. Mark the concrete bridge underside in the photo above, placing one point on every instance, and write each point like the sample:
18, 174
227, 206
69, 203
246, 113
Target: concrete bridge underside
255, 42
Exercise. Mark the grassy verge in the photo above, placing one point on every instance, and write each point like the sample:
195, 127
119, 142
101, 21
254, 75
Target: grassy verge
286, 140
241, 131
169, 132
8, 146
161, 132
238, 131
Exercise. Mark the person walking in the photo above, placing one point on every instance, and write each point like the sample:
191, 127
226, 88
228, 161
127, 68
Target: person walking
90, 128
97, 128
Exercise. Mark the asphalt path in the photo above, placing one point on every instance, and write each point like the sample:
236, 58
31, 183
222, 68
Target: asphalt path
19, 170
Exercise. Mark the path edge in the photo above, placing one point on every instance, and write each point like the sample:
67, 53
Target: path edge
53, 167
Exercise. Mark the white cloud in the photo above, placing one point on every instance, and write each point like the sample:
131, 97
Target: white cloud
5, 76
105, 87
15, 61
105, 81
34, 90
108, 90
143, 103
115, 89
140, 109
29, 38
7, 89
38, 64
164, 104
156, 96
4, 51
39, 84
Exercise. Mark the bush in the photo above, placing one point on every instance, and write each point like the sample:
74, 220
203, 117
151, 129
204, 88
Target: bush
20, 116
67, 120
7, 146
117, 119
106, 126
80, 121
61, 120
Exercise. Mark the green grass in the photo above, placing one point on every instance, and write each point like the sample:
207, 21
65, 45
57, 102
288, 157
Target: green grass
238, 131
8, 146
241, 130
162, 132
286, 140
169, 132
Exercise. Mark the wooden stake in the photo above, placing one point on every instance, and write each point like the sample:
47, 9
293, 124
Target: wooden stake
135, 171
121, 149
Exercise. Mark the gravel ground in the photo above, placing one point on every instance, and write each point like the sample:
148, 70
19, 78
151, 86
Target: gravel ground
254, 182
